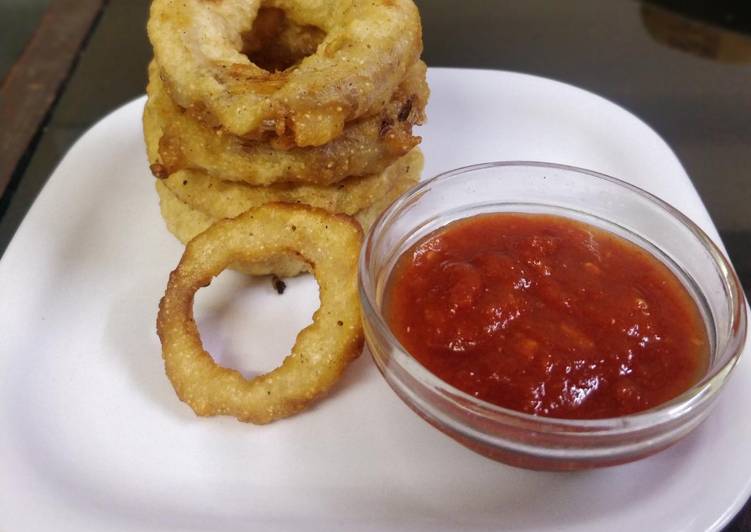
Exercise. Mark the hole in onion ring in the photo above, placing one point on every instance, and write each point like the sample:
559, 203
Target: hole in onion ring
276, 43
245, 325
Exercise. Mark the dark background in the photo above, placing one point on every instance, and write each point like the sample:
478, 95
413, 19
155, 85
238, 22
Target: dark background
682, 66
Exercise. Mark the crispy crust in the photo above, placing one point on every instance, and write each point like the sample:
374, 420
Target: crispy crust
177, 141
225, 199
330, 244
368, 47
186, 220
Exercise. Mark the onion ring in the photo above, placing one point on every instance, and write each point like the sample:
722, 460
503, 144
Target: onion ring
178, 141
226, 199
368, 47
185, 220
330, 244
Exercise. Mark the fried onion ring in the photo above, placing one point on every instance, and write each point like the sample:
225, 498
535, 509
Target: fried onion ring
367, 49
330, 244
226, 199
178, 141
185, 221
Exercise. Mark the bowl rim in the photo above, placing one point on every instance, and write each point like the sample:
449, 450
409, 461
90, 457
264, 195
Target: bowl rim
705, 389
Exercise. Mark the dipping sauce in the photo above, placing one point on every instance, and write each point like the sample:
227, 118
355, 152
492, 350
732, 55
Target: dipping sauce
547, 315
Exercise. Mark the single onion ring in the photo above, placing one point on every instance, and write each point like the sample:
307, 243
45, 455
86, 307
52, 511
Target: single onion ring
177, 141
367, 49
330, 244
226, 199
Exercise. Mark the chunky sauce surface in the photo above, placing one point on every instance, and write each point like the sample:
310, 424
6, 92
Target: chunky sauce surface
548, 316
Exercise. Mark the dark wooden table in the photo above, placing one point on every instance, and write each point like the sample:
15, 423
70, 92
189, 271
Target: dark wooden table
681, 65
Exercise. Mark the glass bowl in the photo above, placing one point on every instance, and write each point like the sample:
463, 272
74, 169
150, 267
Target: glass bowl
526, 440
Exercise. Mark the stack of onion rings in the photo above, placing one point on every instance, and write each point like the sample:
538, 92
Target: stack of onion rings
255, 102
300, 100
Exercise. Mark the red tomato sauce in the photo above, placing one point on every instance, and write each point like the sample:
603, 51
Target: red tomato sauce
548, 316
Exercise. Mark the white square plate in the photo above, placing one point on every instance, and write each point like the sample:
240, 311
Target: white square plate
92, 436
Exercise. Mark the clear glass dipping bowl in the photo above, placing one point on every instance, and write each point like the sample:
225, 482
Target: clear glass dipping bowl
533, 441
